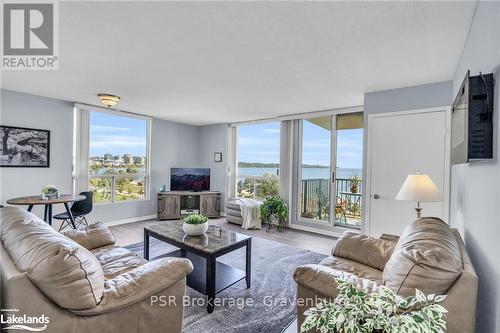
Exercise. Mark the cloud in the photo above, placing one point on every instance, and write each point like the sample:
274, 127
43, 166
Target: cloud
256, 141
114, 141
349, 154
101, 128
257, 153
272, 130
320, 143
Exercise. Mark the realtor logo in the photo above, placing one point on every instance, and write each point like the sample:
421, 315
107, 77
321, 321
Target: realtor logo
12, 319
29, 35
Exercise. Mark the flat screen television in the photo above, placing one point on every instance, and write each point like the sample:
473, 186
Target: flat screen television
472, 120
190, 179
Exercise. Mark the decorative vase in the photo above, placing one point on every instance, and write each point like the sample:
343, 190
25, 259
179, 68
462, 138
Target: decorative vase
354, 188
195, 229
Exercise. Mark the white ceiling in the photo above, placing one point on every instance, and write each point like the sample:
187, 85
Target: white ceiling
213, 62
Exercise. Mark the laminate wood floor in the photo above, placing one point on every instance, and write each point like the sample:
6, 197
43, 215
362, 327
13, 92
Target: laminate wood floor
131, 233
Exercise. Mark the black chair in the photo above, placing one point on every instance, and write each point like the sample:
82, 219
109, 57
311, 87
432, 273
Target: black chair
79, 210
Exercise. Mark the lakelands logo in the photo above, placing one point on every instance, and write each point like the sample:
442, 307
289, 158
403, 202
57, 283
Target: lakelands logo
11, 320
30, 36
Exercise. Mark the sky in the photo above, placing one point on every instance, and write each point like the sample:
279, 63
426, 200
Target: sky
261, 143
117, 135
120, 135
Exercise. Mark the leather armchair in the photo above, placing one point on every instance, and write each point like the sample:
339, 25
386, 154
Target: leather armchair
83, 282
428, 255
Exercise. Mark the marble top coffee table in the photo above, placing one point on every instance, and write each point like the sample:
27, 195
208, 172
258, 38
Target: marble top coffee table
209, 276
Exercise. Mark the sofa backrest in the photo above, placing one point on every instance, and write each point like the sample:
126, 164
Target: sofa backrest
64, 271
427, 257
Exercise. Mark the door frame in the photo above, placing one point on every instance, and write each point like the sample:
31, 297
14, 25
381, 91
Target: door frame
296, 222
366, 214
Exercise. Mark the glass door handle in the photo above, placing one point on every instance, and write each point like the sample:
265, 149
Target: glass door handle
376, 196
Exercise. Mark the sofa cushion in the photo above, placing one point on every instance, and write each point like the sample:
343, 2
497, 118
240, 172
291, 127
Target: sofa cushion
353, 267
233, 204
233, 212
117, 260
64, 271
364, 249
427, 257
321, 279
92, 237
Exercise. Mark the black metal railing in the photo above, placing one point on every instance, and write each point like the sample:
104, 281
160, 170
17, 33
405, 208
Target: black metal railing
315, 203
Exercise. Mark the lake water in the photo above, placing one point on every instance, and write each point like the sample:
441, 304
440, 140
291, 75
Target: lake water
307, 173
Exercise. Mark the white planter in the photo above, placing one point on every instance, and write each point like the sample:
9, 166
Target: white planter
195, 229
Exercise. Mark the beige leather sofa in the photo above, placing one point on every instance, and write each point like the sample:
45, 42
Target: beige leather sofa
428, 255
83, 283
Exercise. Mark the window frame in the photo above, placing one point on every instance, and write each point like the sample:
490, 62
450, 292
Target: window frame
234, 168
79, 143
291, 133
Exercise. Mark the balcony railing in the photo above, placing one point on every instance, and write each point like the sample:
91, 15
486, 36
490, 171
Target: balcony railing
314, 197
315, 203
113, 188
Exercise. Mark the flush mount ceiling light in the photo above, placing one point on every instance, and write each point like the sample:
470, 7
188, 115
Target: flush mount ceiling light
108, 99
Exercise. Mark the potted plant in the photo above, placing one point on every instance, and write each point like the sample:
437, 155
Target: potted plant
195, 224
355, 181
274, 207
50, 191
382, 311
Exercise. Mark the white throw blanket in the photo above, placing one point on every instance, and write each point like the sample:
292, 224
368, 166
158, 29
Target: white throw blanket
250, 212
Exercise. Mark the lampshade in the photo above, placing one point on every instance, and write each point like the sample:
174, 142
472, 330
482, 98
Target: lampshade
419, 188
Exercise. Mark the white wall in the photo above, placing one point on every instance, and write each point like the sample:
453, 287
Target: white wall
31, 111
172, 145
215, 138
408, 98
475, 187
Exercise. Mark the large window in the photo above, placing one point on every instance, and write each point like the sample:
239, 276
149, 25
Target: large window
258, 160
118, 157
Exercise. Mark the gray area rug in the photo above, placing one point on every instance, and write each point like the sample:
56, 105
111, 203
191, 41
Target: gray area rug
272, 289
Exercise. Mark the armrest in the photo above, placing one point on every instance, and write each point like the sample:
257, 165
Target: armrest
364, 249
134, 286
322, 280
93, 236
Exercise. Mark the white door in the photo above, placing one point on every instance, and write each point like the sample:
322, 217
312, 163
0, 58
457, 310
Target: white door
400, 144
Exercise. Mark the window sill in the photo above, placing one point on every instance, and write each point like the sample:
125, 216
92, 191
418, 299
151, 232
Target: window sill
120, 202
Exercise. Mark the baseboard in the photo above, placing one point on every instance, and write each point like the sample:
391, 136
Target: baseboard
316, 231
134, 219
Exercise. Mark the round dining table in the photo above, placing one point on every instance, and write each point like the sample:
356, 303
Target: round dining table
36, 200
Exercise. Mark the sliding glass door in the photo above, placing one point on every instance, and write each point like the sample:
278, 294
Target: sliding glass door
329, 168
315, 180
349, 169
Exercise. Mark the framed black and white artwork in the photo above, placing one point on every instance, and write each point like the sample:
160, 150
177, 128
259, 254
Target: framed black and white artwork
24, 147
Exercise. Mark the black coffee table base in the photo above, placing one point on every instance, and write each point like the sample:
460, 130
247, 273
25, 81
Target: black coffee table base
209, 276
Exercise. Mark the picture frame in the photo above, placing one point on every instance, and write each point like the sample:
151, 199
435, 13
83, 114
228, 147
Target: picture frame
218, 157
22, 147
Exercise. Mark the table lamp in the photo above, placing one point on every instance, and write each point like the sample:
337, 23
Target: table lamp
419, 188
